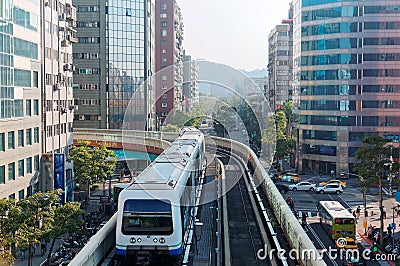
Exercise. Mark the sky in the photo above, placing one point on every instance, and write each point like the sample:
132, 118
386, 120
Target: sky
231, 32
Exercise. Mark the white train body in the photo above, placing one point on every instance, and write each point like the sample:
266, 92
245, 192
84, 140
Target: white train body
156, 210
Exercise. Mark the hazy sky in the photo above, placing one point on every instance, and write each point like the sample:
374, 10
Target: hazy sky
233, 32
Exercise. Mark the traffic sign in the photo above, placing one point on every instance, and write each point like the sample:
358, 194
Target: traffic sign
398, 196
393, 226
105, 199
365, 224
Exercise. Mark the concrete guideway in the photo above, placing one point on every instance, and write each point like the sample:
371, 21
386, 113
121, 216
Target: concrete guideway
288, 222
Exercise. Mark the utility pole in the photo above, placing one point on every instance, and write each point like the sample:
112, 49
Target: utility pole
380, 208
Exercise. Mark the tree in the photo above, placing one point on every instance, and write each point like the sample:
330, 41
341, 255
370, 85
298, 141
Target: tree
8, 226
67, 219
92, 164
35, 219
170, 128
280, 122
371, 160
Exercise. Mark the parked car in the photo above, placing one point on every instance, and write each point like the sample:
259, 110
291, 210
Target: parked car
304, 185
330, 188
290, 177
282, 188
342, 183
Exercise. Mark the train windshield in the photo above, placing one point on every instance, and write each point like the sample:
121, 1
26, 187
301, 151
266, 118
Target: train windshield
147, 217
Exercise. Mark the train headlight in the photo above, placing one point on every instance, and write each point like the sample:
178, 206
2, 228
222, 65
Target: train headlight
162, 240
155, 240
139, 240
133, 240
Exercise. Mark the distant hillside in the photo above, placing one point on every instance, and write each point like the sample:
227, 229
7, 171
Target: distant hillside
257, 73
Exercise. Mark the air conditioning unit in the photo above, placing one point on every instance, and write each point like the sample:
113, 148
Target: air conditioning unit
46, 2
65, 43
81, 117
63, 110
73, 107
56, 86
66, 67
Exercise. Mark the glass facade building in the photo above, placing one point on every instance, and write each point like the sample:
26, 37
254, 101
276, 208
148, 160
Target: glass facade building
346, 78
115, 55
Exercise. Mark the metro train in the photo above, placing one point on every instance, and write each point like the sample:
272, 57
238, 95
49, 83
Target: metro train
156, 211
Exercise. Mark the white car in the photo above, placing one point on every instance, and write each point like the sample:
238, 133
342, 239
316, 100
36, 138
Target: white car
304, 185
330, 188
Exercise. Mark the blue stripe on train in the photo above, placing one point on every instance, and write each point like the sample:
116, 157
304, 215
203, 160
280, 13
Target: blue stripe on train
177, 251
119, 251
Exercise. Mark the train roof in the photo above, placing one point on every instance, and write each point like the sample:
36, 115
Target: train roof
168, 168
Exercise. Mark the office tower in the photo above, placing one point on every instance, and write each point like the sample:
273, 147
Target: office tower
114, 57
280, 63
190, 87
20, 98
58, 21
169, 56
347, 77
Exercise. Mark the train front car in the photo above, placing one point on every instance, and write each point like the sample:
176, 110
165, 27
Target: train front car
156, 211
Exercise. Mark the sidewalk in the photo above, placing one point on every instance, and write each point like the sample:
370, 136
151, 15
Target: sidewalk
93, 206
375, 221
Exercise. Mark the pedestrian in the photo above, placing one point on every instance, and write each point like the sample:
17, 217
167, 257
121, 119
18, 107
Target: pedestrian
354, 214
332, 173
358, 211
389, 229
398, 212
384, 212
43, 247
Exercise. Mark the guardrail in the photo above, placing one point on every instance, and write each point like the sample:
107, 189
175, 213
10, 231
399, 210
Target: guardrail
294, 232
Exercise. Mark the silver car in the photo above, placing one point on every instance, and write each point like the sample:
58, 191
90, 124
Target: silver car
330, 188
304, 186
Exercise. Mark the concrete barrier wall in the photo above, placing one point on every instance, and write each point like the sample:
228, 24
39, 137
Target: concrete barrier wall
98, 247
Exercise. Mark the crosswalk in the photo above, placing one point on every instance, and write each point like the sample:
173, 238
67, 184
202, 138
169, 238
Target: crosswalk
355, 199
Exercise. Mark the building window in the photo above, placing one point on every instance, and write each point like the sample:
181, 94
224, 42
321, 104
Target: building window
21, 171
164, 24
163, 41
164, 95
35, 107
164, 78
11, 171
28, 108
164, 87
11, 140
164, 51
164, 114
29, 136
164, 105
2, 141
36, 135
35, 75
20, 138
163, 15
11, 196
164, 33
21, 194
36, 162
2, 174
164, 6
164, 60
29, 165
